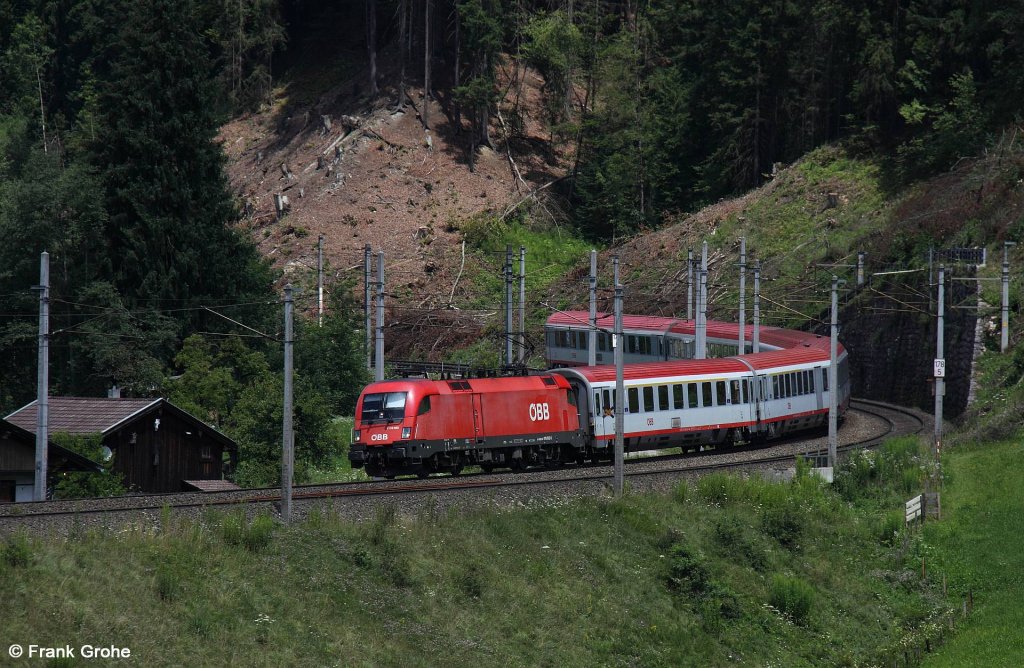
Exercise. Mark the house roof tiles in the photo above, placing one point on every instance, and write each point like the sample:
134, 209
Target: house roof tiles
81, 415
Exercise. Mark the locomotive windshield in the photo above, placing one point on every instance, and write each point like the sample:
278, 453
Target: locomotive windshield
385, 406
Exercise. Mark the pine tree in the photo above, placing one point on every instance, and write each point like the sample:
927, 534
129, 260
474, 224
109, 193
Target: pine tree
169, 240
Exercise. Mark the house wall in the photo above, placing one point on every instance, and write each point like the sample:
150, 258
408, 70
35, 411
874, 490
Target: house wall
25, 487
16, 455
17, 470
158, 459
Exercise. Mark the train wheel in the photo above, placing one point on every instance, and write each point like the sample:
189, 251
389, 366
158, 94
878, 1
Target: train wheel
487, 468
422, 473
457, 468
518, 465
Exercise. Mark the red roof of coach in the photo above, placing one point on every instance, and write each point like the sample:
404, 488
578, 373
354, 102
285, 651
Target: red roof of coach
606, 372
717, 329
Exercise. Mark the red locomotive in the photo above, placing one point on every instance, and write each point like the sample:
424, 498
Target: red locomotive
423, 426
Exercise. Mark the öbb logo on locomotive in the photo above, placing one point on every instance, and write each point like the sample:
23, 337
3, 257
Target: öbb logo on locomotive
540, 411
421, 426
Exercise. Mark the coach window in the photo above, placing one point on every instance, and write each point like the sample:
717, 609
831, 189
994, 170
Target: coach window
824, 380
634, 400
775, 387
691, 395
663, 404
736, 392
799, 382
705, 391
811, 374
648, 399
721, 397
678, 400
608, 404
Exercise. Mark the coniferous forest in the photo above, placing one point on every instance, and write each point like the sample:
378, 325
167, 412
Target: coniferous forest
108, 160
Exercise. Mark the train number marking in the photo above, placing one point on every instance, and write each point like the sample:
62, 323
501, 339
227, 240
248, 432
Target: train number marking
650, 422
540, 412
379, 437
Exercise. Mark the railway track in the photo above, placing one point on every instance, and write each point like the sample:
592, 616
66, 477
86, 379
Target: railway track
889, 421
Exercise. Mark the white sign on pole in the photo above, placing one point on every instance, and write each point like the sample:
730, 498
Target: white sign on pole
913, 508
940, 368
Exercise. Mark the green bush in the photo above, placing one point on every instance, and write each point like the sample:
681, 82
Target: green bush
258, 534
17, 552
890, 527
682, 492
167, 583
687, 573
792, 596
721, 489
735, 539
784, 523
255, 536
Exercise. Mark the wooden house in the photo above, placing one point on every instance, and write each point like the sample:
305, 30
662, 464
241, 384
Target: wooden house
18, 463
156, 446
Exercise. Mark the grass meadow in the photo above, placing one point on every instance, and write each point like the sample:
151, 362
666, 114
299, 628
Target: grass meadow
979, 546
724, 571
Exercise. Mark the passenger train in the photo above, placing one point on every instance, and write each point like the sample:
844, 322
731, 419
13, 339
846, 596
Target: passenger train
420, 426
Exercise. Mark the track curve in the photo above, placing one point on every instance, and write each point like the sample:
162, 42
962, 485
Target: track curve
868, 424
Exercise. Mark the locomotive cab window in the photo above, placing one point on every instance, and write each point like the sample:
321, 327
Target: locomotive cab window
383, 406
424, 406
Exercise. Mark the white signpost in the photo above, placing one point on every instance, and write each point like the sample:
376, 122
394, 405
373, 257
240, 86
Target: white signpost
913, 509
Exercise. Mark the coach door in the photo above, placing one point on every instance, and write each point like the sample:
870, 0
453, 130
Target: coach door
584, 411
754, 397
764, 412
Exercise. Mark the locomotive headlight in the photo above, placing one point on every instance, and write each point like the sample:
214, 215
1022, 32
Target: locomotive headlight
406, 432
355, 435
